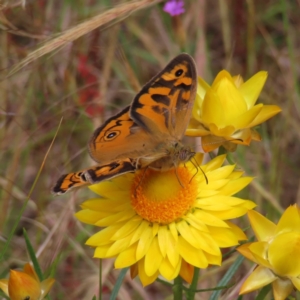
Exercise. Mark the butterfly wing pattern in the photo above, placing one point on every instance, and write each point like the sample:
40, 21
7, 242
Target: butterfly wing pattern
92, 175
147, 133
165, 103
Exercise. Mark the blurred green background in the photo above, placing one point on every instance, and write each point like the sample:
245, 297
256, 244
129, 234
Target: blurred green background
96, 75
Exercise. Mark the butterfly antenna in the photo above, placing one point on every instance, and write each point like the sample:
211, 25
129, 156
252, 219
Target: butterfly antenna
196, 165
178, 178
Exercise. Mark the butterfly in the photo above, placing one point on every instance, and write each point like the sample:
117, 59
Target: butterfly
147, 133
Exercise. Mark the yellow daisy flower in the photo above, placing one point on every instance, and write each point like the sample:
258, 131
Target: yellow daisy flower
276, 253
25, 285
225, 112
167, 223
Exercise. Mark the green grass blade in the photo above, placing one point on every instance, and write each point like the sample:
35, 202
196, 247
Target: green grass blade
227, 277
118, 284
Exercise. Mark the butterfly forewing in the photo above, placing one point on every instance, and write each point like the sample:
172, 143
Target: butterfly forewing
163, 107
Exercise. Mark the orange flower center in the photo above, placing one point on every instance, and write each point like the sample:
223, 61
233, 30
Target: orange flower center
163, 197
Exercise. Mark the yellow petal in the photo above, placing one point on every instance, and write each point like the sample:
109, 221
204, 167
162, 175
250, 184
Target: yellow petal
214, 184
202, 88
153, 258
102, 237
186, 271
4, 286
118, 246
163, 240
155, 228
185, 230
232, 102
215, 163
238, 232
208, 219
89, 217
145, 279
242, 137
236, 174
259, 278
234, 186
296, 282
46, 286
260, 251
221, 130
203, 193
134, 270
23, 286
289, 221
144, 243
191, 255
244, 120
101, 251
125, 230
213, 259
231, 146
173, 254
263, 228
231, 213
114, 218
168, 271
196, 112
245, 251
197, 132
255, 135
103, 205
224, 237
251, 89
284, 252
173, 231
144, 225
238, 80
221, 173
212, 111
206, 242
223, 202
126, 258
267, 112
282, 288
211, 142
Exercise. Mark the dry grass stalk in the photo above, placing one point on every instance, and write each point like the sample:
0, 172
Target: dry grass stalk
115, 14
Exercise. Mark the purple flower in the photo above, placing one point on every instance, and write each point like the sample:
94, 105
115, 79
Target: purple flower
174, 7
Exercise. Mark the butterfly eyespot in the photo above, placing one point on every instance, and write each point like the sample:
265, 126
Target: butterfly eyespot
111, 135
178, 72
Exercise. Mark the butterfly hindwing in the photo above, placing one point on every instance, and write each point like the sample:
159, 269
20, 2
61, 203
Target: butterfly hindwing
119, 138
114, 169
93, 175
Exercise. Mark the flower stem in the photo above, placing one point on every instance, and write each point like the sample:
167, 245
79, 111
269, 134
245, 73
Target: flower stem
177, 288
193, 286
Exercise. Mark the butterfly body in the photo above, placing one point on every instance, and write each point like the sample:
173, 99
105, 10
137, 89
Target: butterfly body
147, 133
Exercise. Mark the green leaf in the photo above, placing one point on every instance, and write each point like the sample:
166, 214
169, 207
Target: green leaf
32, 256
118, 284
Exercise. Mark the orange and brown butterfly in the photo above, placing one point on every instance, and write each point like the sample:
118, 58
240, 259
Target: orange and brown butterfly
147, 133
